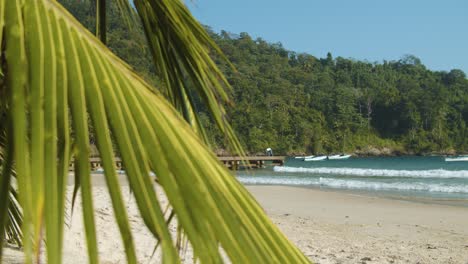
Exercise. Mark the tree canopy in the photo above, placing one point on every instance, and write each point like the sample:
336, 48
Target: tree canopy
298, 103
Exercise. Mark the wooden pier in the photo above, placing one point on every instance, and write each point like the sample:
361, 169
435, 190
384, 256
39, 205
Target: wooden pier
251, 162
96, 163
232, 162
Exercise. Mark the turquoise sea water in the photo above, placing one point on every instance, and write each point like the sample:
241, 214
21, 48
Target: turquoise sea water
426, 177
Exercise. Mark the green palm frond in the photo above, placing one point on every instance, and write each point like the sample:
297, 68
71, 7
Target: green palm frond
56, 75
13, 234
10, 211
181, 48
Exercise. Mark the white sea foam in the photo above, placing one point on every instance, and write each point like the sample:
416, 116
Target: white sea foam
399, 186
355, 184
278, 180
360, 172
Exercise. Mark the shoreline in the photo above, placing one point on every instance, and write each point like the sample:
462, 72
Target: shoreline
271, 197
364, 154
390, 195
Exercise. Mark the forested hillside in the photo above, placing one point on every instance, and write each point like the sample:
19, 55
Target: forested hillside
297, 103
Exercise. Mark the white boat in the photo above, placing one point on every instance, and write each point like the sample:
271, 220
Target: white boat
460, 158
318, 158
304, 157
339, 157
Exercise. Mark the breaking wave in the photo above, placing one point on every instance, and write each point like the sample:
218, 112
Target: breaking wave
398, 186
355, 184
278, 180
439, 173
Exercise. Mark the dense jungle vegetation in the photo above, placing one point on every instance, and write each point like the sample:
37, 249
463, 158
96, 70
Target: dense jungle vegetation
297, 103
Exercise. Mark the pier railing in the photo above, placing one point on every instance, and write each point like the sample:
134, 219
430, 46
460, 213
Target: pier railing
251, 162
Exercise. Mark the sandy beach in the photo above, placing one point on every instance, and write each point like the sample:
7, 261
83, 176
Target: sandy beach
328, 226
338, 227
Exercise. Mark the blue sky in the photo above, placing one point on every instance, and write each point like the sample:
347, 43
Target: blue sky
434, 31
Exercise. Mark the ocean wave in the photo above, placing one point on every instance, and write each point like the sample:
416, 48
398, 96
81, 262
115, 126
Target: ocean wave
278, 180
439, 173
398, 186
354, 184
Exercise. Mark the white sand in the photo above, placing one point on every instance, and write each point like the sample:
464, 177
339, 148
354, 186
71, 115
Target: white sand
335, 227
329, 227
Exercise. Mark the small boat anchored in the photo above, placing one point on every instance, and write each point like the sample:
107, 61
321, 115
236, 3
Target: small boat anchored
459, 158
304, 157
339, 157
317, 158
323, 157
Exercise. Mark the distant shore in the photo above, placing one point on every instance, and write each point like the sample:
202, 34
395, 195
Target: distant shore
328, 226
369, 152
